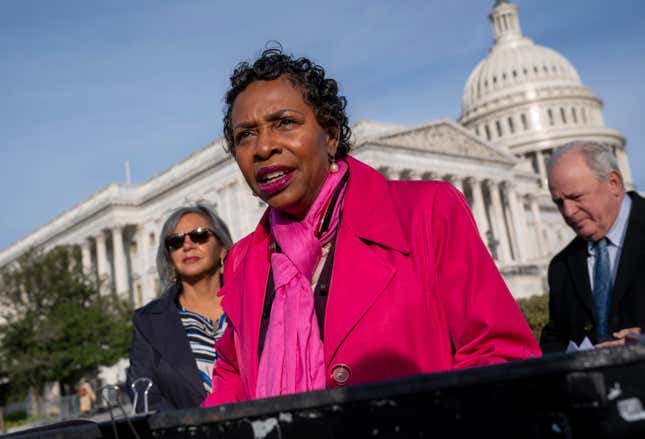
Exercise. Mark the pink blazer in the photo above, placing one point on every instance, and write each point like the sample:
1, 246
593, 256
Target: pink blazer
413, 290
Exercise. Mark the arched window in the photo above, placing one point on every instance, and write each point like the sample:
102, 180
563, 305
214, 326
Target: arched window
583, 113
487, 131
499, 128
574, 116
563, 116
525, 122
549, 114
511, 125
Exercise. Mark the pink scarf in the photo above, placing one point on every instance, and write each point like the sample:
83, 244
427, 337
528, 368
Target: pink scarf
293, 359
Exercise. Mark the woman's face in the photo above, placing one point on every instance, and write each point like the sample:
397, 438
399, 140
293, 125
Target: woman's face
192, 260
279, 145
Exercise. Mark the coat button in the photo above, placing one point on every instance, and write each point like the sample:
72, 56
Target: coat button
340, 373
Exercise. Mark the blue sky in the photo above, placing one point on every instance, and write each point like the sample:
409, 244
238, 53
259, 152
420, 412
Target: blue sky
85, 86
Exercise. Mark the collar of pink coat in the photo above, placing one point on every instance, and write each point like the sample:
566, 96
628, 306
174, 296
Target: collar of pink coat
368, 210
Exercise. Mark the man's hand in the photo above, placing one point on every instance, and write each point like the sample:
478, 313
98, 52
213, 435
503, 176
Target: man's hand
620, 337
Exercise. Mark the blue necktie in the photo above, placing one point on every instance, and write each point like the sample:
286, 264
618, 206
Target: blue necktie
602, 286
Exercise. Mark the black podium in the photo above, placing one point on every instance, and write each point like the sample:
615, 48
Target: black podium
583, 395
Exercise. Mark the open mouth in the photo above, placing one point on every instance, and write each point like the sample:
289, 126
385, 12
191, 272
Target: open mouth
272, 179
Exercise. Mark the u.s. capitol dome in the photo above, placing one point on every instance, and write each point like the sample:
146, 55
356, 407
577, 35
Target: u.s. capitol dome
530, 99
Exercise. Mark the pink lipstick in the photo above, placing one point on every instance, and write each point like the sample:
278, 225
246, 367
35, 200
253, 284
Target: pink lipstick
273, 179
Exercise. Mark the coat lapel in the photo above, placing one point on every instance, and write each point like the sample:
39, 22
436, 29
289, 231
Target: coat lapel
632, 254
352, 294
244, 300
360, 274
580, 273
172, 342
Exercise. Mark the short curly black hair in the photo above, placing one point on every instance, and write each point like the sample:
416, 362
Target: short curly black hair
319, 92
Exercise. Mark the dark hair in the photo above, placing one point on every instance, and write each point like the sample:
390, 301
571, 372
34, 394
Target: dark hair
319, 92
165, 267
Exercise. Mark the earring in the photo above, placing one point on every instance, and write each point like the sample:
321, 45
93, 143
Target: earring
333, 167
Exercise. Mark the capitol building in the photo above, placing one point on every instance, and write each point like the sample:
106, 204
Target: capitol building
519, 103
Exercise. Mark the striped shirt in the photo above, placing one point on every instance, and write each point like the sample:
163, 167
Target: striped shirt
202, 337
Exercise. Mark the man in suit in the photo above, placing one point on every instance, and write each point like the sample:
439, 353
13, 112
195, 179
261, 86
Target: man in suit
597, 283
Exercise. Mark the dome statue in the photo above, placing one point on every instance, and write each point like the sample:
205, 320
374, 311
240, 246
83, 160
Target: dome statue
530, 99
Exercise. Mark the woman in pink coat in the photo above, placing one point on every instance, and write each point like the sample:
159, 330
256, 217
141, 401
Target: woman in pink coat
348, 278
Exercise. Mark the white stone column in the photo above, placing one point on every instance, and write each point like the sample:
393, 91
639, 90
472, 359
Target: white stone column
499, 228
228, 211
395, 174
517, 237
457, 182
238, 207
541, 168
143, 250
509, 224
431, 175
385, 172
623, 164
102, 266
479, 211
86, 256
525, 238
120, 264
248, 205
222, 209
537, 218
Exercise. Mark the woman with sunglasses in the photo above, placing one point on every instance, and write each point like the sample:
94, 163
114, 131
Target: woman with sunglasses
174, 336
348, 278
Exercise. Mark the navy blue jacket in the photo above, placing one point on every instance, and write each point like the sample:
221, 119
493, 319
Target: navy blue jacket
572, 314
161, 352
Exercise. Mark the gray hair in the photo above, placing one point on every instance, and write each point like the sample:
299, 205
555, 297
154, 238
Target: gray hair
599, 158
164, 262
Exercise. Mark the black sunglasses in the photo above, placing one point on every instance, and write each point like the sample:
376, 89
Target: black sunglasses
198, 236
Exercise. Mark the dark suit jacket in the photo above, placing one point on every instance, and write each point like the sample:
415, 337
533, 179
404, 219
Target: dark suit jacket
571, 305
161, 352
